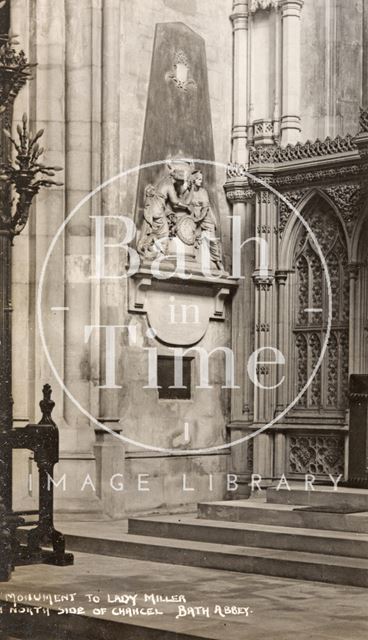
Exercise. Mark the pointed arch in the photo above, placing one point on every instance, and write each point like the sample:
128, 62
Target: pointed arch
294, 225
326, 394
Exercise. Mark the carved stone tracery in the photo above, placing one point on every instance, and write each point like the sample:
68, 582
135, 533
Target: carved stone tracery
294, 197
317, 454
347, 198
310, 327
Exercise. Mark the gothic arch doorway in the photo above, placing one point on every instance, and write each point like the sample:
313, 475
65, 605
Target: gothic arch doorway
315, 430
327, 394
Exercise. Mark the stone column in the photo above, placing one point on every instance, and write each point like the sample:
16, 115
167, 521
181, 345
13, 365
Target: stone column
278, 77
290, 120
239, 19
283, 304
112, 292
78, 437
365, 55
356, 320
40, 26
241, 197
265, 332
282, 328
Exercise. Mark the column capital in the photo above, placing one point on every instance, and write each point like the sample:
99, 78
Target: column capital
264, 5
263, 279
354, 269
240, 6
291, 8
239, 16
281, 276
238, 192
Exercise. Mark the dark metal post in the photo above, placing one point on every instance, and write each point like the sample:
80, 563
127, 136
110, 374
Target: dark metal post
20, 181
6, 400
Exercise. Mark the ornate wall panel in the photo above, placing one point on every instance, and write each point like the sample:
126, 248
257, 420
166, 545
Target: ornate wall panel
328, 388
317, 454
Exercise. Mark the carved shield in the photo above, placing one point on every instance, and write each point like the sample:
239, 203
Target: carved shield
186, 230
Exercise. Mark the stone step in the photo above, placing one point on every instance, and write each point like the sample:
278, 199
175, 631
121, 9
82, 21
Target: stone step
320, 497
252, 535
257, 512
271, 562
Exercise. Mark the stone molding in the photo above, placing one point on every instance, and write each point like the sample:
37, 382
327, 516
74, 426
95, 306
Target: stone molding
291, 7
281, 277
354, 269
239, 17
318, 176
274, 154
263, 281
238, 193
263, 132
339, 166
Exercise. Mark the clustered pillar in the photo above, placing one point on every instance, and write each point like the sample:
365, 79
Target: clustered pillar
291, 82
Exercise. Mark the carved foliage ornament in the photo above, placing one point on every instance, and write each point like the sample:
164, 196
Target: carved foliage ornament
294, 197
347, 198
255, 5
239, 194
236, 170
321, 175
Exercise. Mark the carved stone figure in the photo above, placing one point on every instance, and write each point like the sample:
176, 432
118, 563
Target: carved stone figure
160, 202
198, 199
178, 207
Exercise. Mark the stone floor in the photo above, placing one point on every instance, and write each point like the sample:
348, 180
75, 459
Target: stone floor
279, 609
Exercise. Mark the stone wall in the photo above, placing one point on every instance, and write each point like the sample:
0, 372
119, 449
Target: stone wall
89, 93
331, 67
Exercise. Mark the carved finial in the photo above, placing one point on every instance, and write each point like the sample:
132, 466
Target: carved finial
46, 405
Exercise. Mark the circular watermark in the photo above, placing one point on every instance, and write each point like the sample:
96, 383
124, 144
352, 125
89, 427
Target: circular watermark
102, 425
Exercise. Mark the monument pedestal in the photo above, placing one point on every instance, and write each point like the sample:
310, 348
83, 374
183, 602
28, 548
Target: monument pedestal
358, 432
